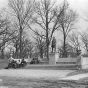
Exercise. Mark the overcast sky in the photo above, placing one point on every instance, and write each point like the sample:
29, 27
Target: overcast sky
81, 7
76, 4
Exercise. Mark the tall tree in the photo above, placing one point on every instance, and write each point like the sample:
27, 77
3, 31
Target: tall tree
22, 12
5, 34
46, 18
67, 21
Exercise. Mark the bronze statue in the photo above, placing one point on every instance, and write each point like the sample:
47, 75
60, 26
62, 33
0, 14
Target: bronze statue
53, 45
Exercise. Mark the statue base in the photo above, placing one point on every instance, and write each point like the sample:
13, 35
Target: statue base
53, 56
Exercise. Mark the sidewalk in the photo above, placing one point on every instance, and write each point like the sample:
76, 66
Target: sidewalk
44, 74
31, 73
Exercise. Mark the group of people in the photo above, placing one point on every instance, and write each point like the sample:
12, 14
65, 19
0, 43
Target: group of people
16, 63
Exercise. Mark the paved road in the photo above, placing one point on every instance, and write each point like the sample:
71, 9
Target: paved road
45, 74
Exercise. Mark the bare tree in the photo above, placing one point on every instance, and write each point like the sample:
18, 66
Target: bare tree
22, 12
84, 39
46, 18
69, 50
27, 45
27, 48
5, 35
73, 40
40, 43
67, 22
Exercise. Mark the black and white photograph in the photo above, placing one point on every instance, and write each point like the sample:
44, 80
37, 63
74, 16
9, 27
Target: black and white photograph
43, 43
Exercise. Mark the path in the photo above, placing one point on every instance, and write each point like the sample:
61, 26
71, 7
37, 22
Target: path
44, 74
30, 73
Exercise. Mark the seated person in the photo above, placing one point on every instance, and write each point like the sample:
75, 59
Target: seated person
11, 59
18, 61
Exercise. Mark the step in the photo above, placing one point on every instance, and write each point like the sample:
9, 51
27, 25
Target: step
51, 67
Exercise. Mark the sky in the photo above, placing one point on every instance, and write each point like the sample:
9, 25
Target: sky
3, 3
81, 7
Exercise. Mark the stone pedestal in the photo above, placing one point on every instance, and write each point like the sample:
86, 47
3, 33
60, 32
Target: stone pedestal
53, 58
84, 62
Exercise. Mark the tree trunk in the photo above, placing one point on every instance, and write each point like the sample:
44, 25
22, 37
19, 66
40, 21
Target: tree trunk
47, 45
2, 54
2, 51
30, 54
20, 42
41, 52
47, 39
16, 54
64, 47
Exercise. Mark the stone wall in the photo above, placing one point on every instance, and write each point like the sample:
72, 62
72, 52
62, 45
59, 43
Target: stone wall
54, 59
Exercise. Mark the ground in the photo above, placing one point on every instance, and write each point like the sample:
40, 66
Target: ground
28, 73
24, 78
31, 78
42, 78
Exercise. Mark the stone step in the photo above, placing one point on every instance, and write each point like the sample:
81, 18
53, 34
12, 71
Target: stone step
51, 67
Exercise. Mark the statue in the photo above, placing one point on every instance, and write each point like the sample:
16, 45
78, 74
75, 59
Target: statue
53, 45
